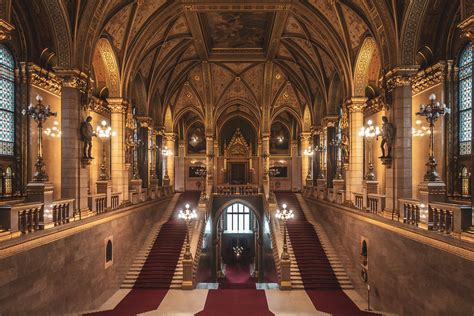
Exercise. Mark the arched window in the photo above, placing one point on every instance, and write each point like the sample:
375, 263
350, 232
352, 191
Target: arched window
465, 100
237, 218
108, 251
7, 102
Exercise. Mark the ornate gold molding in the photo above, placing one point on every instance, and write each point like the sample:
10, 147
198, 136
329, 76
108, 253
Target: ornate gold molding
43, 79
375, 105
98, 106
5, 30
117, 105
72, 78
232, 5
330, 121
145, 121
356, 104
400, 77
429, 77
467, 28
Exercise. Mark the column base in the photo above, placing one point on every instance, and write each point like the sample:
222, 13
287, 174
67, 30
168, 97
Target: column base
285, 268
432, 191
322, 189
187, 283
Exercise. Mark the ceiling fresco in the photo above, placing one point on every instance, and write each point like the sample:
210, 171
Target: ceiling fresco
229, 30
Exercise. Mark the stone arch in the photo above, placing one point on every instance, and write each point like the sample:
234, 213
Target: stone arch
109, 66
139, 96
58, 18
364, 59
411, 30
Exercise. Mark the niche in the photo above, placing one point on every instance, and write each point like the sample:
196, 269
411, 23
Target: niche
109, 256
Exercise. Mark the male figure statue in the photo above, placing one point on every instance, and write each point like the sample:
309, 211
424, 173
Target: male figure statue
87, 132
388, 136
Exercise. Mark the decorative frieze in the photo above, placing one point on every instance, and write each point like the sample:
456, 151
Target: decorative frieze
43, 79
375, 105
429, 77
356, 104
330, 121
145, 121
117, 105
400, 77
72, 78
98, 106
467, 28
5, 30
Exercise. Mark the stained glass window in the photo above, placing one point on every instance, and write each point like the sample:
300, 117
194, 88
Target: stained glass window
465, 100
7, 102
238, 218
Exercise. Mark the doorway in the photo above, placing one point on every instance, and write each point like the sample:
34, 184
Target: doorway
238, 173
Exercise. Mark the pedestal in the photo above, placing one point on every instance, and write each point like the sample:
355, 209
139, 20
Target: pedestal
136, 185
432, 192
285, 269
41, 192
309, 187
105, 187
337, 185
322, 188
153, 188
187, 283
368, 187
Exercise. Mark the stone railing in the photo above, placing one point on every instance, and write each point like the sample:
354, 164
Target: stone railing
61, 211
235, 189
24, 217
359, 200
375, 203
98, 203
116, 199
448, 218
411, 211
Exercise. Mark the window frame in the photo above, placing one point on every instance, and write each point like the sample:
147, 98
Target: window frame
465, 77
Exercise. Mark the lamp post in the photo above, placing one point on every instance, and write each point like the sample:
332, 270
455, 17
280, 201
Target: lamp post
39, 113
188, 215
104, 132
284, 215
369, 132
432, 112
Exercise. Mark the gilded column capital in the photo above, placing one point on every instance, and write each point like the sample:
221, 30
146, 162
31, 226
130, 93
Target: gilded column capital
170, 136
145, 121
356, 104
72, 78
400, 76
5, 30
329, 121
305, 136
117, 105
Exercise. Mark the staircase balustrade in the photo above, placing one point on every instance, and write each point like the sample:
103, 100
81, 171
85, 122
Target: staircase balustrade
359, 200
375, 203
116, 198
61, 210
236, 189
98, 203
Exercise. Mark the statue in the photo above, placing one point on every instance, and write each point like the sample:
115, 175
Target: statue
87, 132
388, 137
344, 147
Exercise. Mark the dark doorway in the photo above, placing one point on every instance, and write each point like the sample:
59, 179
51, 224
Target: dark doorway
238, 174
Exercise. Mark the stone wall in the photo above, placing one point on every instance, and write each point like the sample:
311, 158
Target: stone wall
406, 276
69, 274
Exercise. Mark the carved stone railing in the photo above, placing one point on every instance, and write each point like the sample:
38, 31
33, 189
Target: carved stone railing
61, 211
98, 203
24, 217
359, 200
411, 211
236, 189
375, 203
116, 199
448, 218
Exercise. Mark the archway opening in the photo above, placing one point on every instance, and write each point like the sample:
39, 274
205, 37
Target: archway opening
238, 250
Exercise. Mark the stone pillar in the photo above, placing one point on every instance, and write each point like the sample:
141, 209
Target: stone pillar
356, 160
179, 173
210, 163
119, 173
306, 175
74, 169
398, 179
145, 129
295, 170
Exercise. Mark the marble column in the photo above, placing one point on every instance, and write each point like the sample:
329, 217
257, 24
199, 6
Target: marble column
355, 172
74, 169
398, 178
119, 174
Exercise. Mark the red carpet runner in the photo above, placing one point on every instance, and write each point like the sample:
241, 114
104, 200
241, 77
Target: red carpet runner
319, 279
157, 273
237, 295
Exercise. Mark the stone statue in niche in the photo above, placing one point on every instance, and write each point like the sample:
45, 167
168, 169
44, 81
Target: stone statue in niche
87, 132
344, 147
388, 137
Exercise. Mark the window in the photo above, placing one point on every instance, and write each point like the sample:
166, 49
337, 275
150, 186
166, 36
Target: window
465, 100
7, 102
237, 218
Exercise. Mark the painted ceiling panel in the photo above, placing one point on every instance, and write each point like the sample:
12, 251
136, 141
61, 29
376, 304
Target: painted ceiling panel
115, 28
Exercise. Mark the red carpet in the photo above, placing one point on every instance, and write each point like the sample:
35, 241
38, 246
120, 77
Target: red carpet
236, 303
319, 279
157, 273
237, 276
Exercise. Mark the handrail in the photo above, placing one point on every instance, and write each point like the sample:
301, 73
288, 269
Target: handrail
24, 217
61, 211
98, 202
237, 189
